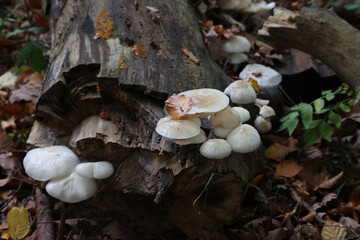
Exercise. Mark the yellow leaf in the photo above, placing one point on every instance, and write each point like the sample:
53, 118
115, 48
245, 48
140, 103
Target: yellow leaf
255, 85
276, 152
18, 222
5, 235
333, 230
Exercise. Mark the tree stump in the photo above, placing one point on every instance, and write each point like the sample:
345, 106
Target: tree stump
104, 101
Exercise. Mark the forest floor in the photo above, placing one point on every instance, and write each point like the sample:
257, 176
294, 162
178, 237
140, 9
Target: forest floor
306, 191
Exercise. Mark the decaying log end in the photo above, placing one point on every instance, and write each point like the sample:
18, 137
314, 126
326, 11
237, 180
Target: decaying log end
320, 33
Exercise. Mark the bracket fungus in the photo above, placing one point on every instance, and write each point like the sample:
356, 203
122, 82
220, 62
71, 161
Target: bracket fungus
96, 170
72, 188
43, 164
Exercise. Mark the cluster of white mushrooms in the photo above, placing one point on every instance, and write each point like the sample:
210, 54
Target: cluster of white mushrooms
69, 180
212, 104
245, 6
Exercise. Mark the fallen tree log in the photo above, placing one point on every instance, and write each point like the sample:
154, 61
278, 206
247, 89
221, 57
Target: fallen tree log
103, 100
320, 33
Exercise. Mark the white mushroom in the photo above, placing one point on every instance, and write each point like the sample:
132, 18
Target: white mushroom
237, 58
226, 118
241, 92
215, 149
200, 138
259, 8
265, 76
236, 44
222, 132
96, 170
43, 164
244, 139
206, 100
267, 112
261, 102
177, 129
262, 125
233, 4
244, 113
72, 188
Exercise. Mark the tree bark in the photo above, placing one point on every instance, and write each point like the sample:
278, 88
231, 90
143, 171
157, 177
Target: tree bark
320, 33
104, 112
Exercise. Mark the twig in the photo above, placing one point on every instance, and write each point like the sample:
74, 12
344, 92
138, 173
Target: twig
300, 201
44, 221
60, 233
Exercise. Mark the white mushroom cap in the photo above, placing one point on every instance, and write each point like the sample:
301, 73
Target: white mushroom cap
236, 44
222, 132
43, 164
72, 188
266, 112
261, 102
260, 7
233, 4
244, 113
262, 125
226, 118
244, 139
237, 58
194, 118
215, 149
265, 76
177, 129
96, 170
206, 100
241, 92
200, 138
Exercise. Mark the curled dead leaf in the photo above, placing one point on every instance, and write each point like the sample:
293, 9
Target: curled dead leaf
190, 55
333, 230
288, 168
255, 85
329, 183
178, 106
139, 50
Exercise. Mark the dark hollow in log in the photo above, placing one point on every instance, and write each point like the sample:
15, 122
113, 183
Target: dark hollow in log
155, 182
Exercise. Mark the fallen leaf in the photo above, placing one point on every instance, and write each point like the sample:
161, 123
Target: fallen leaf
18, 222
8, 80
333, 230
8, 123
5, 234
349, 222
288, 168
5, 141
301, 189
207, 24
277, 234
24, 93
255, 85
139, 50
276, 152
292, 144
313, 172
309, 217
329, 183
178, 106
190, 55
327, 198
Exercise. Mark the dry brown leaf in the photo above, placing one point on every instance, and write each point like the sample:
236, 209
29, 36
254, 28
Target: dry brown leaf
139, 50
276, 152
329, 183
301, 189
313, 172
190, 55
154, 13
327, 198
178, 106
333, 230
292, 144
5, 141
288, 168
309, 217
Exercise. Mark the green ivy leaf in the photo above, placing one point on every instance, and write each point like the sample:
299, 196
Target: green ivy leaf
311, 135
15, 32
344, 107
289, 122
326, 130
330, 96
319, 105
306, 115
24, 53
37, 29
335, 118
315, 123
37, 60
289, 116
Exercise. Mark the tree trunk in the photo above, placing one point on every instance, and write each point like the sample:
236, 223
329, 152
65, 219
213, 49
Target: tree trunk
320, 33
104, 111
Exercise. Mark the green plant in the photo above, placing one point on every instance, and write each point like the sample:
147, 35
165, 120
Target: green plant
355, 6
317, 119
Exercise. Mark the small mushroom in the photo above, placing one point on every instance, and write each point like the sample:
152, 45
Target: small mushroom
262, 125
266, 77
258, 8
215, 149
267, 112
96, 170
200, 138
241, 92
226, 118
222, 132
233, 4
177, 129
43, 164
236, 44
244, 139
261, 102
237, 58
206, 100
72, 188
244, 113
